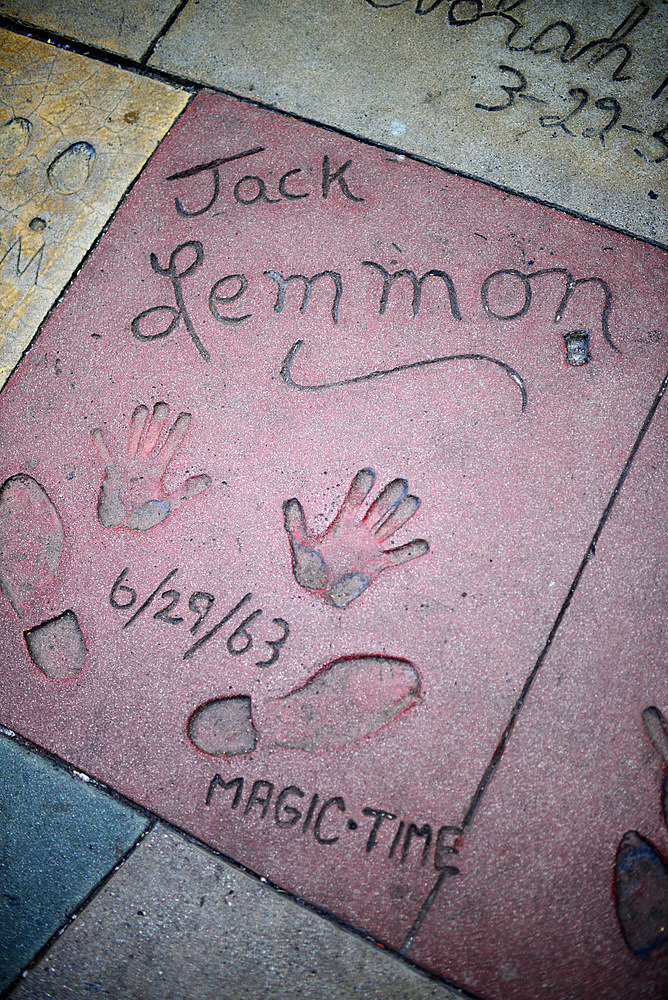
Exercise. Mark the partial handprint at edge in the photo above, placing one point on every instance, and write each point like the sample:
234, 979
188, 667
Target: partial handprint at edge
342, 562
132, 494
641, 871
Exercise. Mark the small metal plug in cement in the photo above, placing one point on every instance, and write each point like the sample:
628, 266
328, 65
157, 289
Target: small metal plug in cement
577, 347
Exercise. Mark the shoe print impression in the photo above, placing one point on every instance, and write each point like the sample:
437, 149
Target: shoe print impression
31, 545
641, 889
345, 701
57, 646
31, 541
223, 727
657, 727
341, 563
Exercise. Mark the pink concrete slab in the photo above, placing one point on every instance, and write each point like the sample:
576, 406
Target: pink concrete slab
285, 651
565, 891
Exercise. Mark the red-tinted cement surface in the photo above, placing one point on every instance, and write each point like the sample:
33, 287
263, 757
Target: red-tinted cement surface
534, 912
418, 657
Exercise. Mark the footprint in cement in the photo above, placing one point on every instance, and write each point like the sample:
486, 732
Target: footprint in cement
31, 544
343, 702
14, 138
57, 646
641, 890
641, 874
657, 727
70, 170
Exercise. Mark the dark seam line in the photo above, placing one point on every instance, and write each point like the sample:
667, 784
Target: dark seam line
498, 753
407, 154
265, 882
194, 86
70, 44
424, 910
589, 554
75, 913
63, 765
161, 34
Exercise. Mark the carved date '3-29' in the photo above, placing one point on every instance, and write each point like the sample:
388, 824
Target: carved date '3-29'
514, 84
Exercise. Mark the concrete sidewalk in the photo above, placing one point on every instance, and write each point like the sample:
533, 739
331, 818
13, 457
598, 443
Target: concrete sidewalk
332, 500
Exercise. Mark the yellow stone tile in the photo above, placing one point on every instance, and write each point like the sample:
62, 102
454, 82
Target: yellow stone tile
73, 134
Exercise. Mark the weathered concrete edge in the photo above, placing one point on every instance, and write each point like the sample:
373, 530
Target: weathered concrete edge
153, 819
194, 85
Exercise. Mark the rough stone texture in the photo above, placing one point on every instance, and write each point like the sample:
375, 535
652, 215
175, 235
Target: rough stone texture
121, 26
208, 433
58, 837
177, 922
73, 134
413, 79
535, 915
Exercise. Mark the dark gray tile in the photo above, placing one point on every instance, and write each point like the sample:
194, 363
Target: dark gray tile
59, 836
177, 922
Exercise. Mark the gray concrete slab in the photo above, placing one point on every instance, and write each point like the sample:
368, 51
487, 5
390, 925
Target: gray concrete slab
176, 921
126, 27
567, 105
58, 837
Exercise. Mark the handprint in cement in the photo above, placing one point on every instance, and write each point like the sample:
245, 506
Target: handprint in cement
342, 562
133, 494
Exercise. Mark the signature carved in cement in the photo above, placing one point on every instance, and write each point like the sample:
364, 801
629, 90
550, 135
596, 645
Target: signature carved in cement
133, 494
286, 371
342, 562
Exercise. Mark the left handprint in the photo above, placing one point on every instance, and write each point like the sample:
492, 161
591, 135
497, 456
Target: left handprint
132, 494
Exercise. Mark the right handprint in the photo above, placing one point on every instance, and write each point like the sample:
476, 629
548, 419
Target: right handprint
342, 562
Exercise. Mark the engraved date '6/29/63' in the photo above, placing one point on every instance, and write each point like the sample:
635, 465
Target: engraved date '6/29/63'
200, 604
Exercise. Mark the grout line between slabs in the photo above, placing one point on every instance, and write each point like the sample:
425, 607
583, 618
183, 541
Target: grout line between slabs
517, 708
409, 155
97, 888
140, 68
163, 31
70, 44
154, 820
